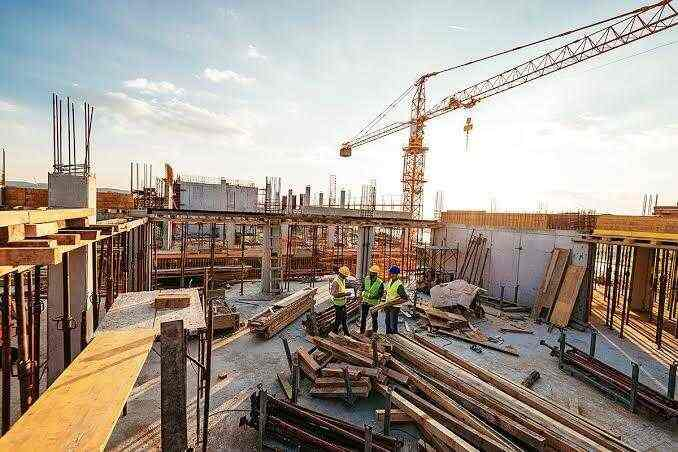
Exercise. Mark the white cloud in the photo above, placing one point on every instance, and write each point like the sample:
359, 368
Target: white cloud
170, 115
456, 28
7, 105
253, 53
147, 86
217, 76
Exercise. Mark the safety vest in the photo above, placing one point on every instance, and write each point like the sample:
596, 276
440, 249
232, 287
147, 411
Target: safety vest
340, 301
371, 290
392, 289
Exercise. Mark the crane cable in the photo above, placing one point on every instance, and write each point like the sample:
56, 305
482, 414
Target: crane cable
366, 129
559, 35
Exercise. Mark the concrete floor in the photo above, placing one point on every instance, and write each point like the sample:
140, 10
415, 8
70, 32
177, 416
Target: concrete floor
248, 362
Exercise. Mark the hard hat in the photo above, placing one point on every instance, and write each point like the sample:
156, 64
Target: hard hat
345, 271
374, 268
394, 270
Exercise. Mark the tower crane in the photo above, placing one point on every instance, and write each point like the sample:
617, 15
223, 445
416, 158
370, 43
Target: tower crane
624, 29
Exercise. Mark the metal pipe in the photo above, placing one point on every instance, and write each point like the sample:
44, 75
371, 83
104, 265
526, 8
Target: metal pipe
37, 311
24, 364
66, 309
6, 356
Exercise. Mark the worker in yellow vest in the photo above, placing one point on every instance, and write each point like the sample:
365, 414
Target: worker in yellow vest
339, 294
373, 289
395, 294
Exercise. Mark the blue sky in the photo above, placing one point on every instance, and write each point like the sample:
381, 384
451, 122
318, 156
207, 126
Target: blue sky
250, 89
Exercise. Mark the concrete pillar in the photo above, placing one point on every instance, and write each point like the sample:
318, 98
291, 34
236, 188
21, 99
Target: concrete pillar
70, 191
166, 235
364, 257
270, 259
641, 292
230, 233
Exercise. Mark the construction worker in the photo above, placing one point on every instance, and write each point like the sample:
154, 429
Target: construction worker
395, 294
373, 289
339, 294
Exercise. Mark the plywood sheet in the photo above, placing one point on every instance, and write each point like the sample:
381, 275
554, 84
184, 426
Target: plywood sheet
81, 408
567, 296
553, 275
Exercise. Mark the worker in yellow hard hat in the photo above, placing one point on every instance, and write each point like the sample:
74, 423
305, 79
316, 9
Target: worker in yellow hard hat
395, 295
373, 289
339, 294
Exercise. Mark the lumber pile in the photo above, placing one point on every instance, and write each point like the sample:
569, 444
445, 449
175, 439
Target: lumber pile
310, 430
474, 407
282, 313
442, 320
322, 322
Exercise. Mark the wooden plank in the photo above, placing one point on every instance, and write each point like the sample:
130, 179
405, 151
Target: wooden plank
333, 392
77, 222
285, 385
397, 416
80, 409
562, 310
430, 425
86, 234
482, 344
40, 229
65, 239
10, 217
33, 243
553, 275
29, 256
172, 301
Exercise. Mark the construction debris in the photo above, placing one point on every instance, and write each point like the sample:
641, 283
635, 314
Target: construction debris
282, 313
531, 379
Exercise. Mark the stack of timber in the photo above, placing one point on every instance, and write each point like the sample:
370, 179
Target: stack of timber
309, 430
458, 405
282, 313
321, 322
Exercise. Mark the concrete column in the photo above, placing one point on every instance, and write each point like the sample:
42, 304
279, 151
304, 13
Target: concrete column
70, 191
230, 233
270, 259
364, 257
166, 235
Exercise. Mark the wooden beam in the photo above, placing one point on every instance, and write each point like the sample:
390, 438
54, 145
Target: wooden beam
77, 222
65, 239
430, 425
33, 243
397, 417
9, 217
29, 256
86, 234
40, 229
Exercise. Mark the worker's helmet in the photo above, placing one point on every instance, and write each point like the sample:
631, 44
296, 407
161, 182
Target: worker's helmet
374, 268
394, 270
345, 271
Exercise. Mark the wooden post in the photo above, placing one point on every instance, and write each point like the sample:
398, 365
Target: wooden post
6, 355
207, 375
387, 412
109, 276
174, 433
262, 419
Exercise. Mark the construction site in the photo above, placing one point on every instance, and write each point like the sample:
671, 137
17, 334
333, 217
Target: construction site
182, 311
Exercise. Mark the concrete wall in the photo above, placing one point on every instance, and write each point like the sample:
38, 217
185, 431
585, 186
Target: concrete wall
516, 257
222, 197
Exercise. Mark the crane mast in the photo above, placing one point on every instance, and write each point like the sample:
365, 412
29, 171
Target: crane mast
625, 29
